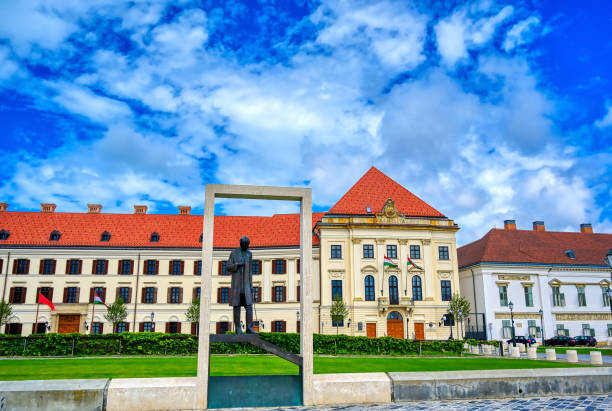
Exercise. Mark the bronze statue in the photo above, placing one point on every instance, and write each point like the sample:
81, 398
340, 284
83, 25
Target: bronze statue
239, 264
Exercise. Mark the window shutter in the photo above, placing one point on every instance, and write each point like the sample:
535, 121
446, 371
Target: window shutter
68, 266
284, 326
65, 300
54, 265
27, 270
141, 327
156, 266
181, 295
218, 296
298, 293
167, 327
155, 295
170, 267
50, 294
182, 267
101, 328
91, 295
284, 294
274, 266
103, 296
229, 294
105, 266
118, 294
14, 266
37, 294
194, 328
273, 295
179, 327
93, 266
129, 295
195, 294
23, 295
81, 270
12, 295
41, 266
220, 269
298, 267
284, 267
142, 295
169, 300
195, 267
131, 266
78, 293
218, 327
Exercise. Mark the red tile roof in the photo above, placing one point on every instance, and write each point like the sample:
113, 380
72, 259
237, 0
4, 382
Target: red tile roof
539, 247
373, 189
134, 230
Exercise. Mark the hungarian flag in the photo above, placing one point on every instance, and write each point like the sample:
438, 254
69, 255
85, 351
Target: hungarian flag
45, 300
410, 262
389, 263
98, 300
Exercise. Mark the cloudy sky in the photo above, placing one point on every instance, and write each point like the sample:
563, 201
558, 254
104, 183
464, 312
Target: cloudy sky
487, 110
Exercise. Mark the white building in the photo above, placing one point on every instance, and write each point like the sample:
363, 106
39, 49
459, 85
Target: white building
561, 273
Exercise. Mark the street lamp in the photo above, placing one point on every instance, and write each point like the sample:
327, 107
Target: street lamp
152, 321
511, 306
542, 325
448, 317
461, 322
86, 326
608, 261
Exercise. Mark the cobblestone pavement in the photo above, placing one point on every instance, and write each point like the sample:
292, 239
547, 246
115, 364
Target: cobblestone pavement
584, 403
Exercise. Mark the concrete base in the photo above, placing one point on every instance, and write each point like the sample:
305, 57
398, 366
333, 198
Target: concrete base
596, 358
572, 355
515, 352
365, 388
141, 394
532, 353
551, 354
451, 385
53, 394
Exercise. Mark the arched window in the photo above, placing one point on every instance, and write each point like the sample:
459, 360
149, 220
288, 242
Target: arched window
154, 238
105, 236
370, 293
417, 290
394, 315
55, 235
393, 292
4, 234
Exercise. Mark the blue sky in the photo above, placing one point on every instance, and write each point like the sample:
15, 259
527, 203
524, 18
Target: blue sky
487, 110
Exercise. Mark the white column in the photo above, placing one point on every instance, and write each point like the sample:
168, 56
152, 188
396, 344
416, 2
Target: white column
430, 274
306, 348
356, 272
291, 280
267, 272
403, 253
380, 262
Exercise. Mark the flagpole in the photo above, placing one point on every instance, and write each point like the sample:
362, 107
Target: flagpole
93, 311
36, 321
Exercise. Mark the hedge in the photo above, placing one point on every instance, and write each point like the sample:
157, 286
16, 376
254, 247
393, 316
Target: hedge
184, 344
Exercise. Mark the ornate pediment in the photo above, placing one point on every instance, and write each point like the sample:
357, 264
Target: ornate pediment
389, 214
336, 273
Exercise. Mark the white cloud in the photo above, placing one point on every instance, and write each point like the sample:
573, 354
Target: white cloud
521, 33
606, 120
8, 67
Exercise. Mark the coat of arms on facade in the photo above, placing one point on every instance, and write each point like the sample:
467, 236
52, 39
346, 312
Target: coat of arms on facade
389, 214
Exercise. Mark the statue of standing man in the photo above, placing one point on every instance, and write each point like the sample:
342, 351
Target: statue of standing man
239, 264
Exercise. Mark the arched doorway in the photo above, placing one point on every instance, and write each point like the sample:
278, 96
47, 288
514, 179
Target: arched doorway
395, 325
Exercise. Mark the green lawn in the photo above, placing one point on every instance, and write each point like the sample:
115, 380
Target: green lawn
136, 367
580, 350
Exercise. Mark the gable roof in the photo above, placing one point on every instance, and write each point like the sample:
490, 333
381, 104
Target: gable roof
373, 189
536, 247
134, 230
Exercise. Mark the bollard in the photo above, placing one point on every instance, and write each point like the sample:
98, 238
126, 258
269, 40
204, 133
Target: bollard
475, 350
551, 354
572, 355
532, 353
521, 347
596, 358
516, 353
486, 349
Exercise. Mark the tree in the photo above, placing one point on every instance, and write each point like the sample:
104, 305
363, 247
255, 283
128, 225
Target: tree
193, 312
6, 311
457, 305
116, 313
338, 311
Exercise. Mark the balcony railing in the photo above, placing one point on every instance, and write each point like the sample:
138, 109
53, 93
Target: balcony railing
384, 303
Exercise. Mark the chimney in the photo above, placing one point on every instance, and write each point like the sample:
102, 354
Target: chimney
94, 208
510, 224
184, 210
47, 208
140, 209
586, 228
3, 206
539, 226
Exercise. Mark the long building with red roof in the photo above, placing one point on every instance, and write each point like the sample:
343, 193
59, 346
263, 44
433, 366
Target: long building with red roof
153, 262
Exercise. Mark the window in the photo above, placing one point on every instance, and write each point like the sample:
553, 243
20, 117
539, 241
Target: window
151, 267
279, 293
105, 236
609, 330
370, 294
197, 267
201, 237
558, 298
173, 327
223, 268
581, 296
368, 251
336, 251
100, 266
393, 290
336, 289
223, 327
96, 328
415, 252
197, 293
534, 330
149, 295
55, 236
392, 251
46, 291
17, 295
122, 327
124, 294
506, 329
503, 295
446, 290
147, 326
223, 295
256, 267
528, 295
4, 234
175, 295
176, 267
100, 291
257, 294
443, 252
125, 267
587, 331
417, 290
279, 266
74, 266
561, 330
14, 328
278, 326
47, 266
606, 299
154, 238
21, 266
72, 295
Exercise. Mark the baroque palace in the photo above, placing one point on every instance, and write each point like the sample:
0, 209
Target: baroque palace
389, 255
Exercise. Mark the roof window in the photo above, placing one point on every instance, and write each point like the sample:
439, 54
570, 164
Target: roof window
4, 234
105, 236
201, 237
154, 238
55, 235
570, 254
369, 209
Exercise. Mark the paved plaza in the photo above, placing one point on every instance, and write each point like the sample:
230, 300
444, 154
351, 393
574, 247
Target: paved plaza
583, 403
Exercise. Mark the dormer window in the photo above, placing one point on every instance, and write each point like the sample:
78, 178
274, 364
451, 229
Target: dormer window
55, 235
154, 238
368, 209
570, 254
4, 234
105, 236
201, 237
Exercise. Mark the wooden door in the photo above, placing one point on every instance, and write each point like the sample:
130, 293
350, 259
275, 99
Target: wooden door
419, 331
395, 328
371, 330
69, 324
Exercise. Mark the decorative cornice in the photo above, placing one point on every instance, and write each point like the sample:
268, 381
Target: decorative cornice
425, 241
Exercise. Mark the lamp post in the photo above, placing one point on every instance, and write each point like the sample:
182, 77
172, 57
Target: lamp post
542, 326
86, 326
152, 321
461, 322
608, 261
448, 317
511, 306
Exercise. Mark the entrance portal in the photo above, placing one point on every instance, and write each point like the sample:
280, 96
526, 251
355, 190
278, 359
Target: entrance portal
371, 330
68, 324
395, 325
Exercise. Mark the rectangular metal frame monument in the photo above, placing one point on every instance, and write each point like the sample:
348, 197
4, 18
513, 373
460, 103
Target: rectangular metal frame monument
304, 196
